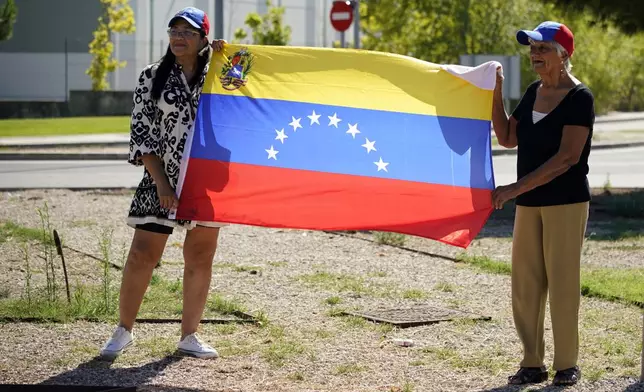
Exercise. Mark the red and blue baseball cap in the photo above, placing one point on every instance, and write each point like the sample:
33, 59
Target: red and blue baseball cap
548, 32
196, 17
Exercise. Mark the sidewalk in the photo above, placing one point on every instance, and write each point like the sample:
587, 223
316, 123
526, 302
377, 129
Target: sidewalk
98, 140
619, 116
116, 147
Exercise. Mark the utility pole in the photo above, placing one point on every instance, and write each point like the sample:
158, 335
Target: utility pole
219, 19
356, 23
151, 31
642, 357
325, 13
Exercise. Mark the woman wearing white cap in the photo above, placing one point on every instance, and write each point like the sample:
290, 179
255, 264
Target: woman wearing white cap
165, 104
552, 127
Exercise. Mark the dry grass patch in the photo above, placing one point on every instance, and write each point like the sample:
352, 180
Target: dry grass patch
612, 284
609, 344
333, 300
357, 285
445, 287
415, 294
349, 368
493, 360
343, 283
387, 238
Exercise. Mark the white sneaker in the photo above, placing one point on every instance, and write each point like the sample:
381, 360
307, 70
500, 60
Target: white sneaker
121, 338
191, 345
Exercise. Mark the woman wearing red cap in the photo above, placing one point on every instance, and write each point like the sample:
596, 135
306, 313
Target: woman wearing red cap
165, 104
552, 127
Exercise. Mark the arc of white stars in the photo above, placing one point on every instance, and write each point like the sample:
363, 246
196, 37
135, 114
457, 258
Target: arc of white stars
315, 118
381, 165
353, 130
281, 135
334, 120
295, 123
369, 145
272, 153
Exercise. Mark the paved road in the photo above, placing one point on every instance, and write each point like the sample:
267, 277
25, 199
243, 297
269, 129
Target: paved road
620, 122
624, 167
613, 126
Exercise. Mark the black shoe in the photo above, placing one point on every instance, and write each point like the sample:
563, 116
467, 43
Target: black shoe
568, 376
529, 375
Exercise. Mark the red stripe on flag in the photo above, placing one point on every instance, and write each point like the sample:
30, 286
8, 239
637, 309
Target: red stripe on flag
299, 199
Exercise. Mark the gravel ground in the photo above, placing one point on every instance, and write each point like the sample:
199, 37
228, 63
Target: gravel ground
320, 352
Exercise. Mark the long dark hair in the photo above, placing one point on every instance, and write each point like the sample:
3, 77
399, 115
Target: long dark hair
165, 67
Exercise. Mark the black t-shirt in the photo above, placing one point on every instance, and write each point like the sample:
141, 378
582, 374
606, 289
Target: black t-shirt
539, 142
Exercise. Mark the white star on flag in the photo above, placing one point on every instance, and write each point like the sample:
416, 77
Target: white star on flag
369, 145
315, 118
281, 135
381, 165
334, 120
353, 130
272, 153
295, 123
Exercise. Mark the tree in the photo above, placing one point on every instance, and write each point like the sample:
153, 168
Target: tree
440, 30
118, 17
267, 29
628, 15
8, 15
607, 60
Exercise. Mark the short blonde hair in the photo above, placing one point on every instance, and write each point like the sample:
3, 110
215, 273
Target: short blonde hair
560, 51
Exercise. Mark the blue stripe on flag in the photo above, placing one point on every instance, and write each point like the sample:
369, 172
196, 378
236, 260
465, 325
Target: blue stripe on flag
403, 146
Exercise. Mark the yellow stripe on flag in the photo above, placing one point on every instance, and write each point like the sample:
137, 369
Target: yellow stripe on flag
353, 78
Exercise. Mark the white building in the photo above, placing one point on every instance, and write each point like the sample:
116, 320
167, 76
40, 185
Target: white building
47, 55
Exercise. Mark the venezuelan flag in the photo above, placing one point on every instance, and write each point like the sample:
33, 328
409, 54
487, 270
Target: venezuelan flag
340, 139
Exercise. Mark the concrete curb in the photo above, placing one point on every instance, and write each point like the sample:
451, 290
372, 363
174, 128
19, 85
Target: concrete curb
619, 119
66, 145
28, 156
34, 156
607, 146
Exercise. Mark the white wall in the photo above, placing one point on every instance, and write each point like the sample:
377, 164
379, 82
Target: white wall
41, 76
308, 19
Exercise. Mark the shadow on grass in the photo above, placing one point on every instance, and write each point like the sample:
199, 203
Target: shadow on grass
620, 203
100, 371
615, 215
635, 387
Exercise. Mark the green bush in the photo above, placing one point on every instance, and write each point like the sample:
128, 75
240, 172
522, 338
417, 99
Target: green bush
610, 62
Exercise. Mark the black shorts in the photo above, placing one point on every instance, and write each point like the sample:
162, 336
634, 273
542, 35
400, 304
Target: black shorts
156, 228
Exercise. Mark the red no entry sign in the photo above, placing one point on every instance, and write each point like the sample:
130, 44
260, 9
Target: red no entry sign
341, 15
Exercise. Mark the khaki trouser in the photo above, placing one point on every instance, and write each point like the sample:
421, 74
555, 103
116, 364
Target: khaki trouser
546, 254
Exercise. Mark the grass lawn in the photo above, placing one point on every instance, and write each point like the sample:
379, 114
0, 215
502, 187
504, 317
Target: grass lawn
64, 126
612, 284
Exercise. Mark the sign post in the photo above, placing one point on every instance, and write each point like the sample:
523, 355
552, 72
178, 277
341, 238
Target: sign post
642, 356
341, 16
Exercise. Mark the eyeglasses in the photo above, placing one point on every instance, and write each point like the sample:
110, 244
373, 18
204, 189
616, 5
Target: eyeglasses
187, 34
541, 49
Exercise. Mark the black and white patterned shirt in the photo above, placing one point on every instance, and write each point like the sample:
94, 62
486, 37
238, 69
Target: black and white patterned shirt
162, 128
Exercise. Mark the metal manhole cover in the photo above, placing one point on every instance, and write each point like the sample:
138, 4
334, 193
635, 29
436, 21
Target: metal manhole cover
411, 317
